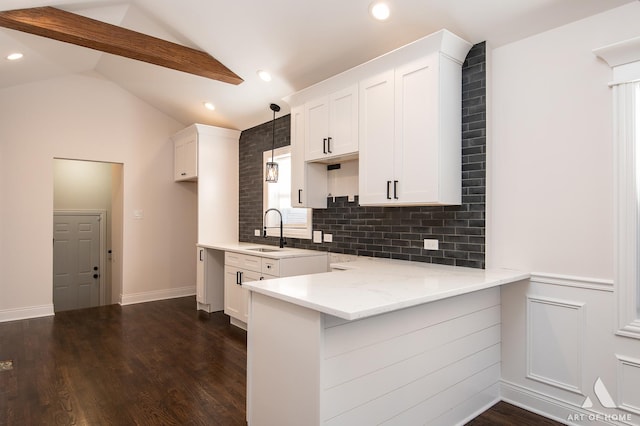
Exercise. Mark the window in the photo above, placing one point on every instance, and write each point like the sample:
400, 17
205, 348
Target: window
297, 221
624, 58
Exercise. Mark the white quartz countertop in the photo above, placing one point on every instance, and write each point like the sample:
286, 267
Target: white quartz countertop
370, 286
272, 252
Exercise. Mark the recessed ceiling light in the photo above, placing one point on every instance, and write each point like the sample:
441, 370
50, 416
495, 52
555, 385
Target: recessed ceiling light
264, 75
209, 106
380, 11
15, 56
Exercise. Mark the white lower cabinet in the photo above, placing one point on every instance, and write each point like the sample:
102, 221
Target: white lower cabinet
241, 268
236, 298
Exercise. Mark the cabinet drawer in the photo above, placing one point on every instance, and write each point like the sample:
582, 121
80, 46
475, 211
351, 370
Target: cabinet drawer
271, 267
251, 263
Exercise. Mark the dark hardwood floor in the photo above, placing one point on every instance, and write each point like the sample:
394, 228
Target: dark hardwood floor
503, 414
158, 363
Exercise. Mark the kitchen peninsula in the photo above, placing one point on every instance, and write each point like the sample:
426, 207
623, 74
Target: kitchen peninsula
376, 342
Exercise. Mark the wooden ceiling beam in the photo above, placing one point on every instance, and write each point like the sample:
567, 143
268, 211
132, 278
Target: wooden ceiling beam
75, 29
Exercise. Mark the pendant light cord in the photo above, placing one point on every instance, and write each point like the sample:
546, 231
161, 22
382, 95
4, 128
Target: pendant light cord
273, 145
274, 108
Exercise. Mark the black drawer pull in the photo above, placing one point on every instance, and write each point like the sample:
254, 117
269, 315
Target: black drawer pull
388, 190
395, 189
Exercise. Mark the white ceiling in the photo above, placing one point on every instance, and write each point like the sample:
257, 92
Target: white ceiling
300, 42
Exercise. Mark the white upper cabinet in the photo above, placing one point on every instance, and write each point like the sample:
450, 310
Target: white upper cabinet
410, 120
331, 125
400, 116
403, 160
186, 156
308, 180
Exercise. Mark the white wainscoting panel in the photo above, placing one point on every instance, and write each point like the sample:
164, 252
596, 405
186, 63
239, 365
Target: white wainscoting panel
555, 342
628, 384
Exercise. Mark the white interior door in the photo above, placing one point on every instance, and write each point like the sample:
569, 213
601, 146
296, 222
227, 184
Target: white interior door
76, 261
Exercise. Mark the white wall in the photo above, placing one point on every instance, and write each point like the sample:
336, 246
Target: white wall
86, 117
81, 185
550, 212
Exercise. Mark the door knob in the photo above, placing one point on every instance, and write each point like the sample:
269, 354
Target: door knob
95, 268
96, 276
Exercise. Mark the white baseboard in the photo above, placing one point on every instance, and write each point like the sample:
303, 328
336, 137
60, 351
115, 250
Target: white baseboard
150, 296
552, 408
26, 313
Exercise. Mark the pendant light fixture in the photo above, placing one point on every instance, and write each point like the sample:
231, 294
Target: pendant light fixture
272, 166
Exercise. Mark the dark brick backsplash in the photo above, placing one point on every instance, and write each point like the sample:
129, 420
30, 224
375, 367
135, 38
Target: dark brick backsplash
389, 232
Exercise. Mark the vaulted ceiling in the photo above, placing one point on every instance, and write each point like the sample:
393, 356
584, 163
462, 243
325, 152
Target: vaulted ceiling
300, 42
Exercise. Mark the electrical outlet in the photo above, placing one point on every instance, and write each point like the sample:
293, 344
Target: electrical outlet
328, 238
430, 244
317, 236
256, 232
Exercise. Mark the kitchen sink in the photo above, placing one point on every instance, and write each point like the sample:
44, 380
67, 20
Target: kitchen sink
264, 249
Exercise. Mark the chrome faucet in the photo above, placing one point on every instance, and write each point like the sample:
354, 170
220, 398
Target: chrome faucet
264, 223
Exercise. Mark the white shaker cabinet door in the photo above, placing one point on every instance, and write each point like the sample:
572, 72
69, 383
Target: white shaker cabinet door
377, 149
417, 126
316, 128
308, 180
343, 122
331, 125
186, 158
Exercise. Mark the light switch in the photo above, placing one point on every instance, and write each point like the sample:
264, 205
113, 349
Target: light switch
138, 214
317, 236
256, 232
328, 238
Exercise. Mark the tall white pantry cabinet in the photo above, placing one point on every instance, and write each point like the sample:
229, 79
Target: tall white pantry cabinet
209, 156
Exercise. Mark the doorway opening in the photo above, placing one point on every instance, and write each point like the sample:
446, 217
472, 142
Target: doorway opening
87, 233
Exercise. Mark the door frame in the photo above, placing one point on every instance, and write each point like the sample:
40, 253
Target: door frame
102, 214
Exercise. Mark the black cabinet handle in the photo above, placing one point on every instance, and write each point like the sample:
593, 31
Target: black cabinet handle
388, 190
201, 258
239, 277
299, 196
395, 189
324, 146
183, 174
329, 145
